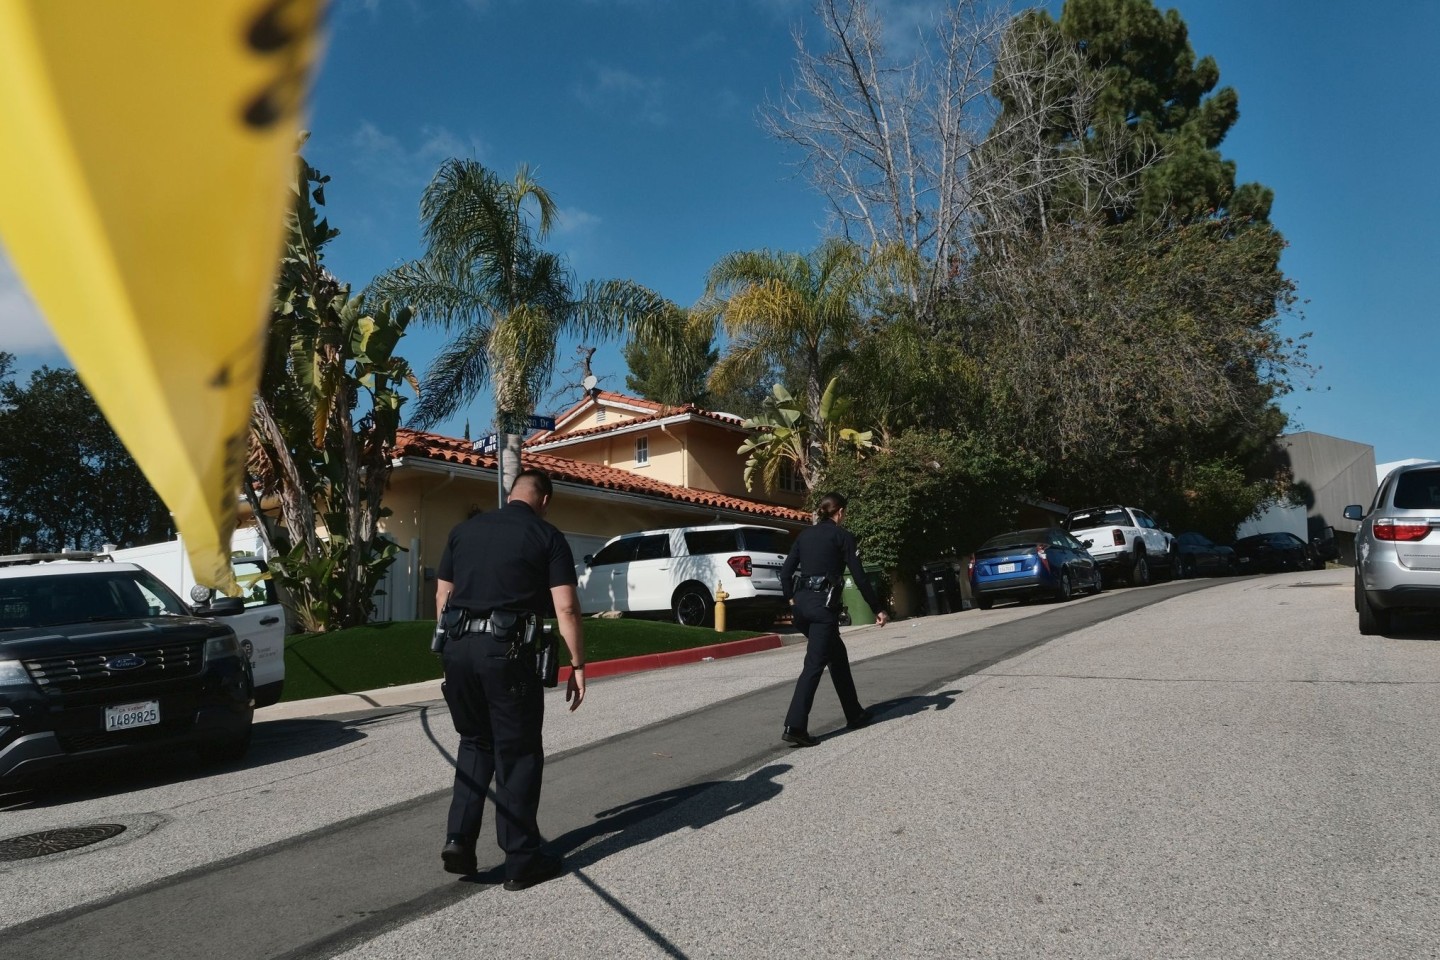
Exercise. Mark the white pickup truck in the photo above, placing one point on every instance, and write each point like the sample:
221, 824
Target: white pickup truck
1125, 542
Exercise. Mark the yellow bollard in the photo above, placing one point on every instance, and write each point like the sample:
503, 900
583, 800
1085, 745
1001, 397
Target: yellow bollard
720, 597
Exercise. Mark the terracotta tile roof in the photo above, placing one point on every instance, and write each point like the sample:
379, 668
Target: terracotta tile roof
661, 413
434, 446
618, 398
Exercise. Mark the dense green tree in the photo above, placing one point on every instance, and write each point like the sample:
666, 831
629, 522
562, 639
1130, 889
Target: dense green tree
930, 494
66, 480
508, 303
324, 425
1157, 113
674, 376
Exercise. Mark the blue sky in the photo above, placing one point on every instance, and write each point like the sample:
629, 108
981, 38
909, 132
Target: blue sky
640, 117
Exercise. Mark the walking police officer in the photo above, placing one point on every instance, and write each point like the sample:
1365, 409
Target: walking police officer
499, 569
820, 556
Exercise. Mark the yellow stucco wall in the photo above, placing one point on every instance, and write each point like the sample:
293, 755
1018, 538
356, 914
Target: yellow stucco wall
426, 506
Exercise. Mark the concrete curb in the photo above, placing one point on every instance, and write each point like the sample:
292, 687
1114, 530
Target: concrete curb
674, 658
429, 690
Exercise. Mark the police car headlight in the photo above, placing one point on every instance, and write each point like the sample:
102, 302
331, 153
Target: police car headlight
12, 674
226, 646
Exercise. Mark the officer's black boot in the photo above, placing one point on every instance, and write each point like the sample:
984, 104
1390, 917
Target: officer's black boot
799, 738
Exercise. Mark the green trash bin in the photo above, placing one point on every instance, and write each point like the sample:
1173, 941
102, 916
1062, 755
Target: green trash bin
855, 605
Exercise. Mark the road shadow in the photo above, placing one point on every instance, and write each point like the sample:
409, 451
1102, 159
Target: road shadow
273, 742
643, 820
1414, 625
900, 707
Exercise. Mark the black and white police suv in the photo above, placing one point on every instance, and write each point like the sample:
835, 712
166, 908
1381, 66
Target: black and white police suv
100, 659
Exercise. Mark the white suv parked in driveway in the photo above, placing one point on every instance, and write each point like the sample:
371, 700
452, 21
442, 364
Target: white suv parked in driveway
675, 572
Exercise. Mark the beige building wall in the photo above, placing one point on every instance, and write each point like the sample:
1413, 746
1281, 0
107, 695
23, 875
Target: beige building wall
426, 505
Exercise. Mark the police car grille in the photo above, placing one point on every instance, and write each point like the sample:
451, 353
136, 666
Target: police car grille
92, 671
75, 741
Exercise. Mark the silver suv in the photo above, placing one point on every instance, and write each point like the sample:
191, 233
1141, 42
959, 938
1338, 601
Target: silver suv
1397, 551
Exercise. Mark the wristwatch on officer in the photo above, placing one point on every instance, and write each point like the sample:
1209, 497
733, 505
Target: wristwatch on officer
577, 666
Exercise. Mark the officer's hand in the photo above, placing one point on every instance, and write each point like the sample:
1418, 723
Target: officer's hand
882, 618
575, 688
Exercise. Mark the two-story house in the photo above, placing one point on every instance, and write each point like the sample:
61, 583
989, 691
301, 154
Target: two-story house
619, 464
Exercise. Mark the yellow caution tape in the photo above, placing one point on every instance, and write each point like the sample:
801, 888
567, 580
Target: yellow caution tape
147, 157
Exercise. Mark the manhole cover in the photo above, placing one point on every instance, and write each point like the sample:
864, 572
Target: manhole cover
46, 842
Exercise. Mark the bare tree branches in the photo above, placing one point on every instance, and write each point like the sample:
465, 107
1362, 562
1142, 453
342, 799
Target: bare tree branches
889, 143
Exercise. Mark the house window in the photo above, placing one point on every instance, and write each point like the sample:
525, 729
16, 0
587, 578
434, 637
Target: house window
642, 451
600, 415
790, 480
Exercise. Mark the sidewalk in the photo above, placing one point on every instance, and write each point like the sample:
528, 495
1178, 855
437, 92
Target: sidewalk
428, 691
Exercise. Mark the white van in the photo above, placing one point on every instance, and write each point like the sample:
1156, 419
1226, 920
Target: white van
260, 629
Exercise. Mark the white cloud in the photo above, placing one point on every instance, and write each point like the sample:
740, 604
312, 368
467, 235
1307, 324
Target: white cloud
614, 90
22, 329
574, 222
386, 158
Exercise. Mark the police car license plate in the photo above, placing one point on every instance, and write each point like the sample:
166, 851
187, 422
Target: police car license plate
1007, 567
127, 716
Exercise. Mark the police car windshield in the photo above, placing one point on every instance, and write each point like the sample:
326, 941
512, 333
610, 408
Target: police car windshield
43, 601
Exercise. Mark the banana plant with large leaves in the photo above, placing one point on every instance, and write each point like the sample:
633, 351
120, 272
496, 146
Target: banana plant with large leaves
323, 424
783, 433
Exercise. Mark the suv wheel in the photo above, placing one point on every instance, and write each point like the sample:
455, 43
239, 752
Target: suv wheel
1140, 570
692, 606
1373, 620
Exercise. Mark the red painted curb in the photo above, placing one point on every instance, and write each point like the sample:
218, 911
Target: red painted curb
674, 658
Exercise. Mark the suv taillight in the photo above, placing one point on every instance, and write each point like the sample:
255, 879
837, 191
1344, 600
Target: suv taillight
1405, 530
741, 566
1119, 538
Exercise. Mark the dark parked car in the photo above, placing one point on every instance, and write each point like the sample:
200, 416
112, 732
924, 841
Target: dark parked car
1201, 555
1045, 561
1273, 552
101, 660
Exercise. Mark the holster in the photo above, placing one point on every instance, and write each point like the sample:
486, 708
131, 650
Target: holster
449, 628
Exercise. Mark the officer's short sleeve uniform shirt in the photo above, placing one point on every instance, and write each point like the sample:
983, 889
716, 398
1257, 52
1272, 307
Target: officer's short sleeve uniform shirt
506, 559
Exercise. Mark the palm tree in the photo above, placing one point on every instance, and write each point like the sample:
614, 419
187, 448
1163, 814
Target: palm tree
801, 313
508, 303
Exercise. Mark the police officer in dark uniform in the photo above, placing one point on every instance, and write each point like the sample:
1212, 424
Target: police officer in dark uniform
820, 557
507, 561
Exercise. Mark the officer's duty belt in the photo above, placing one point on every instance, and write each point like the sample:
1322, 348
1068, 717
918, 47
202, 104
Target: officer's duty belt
478, 626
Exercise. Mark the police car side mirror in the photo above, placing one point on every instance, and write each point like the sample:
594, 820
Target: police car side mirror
225, 607
1087, 544
589, 558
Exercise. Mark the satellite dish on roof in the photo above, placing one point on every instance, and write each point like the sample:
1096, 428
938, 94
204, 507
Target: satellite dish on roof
589, 383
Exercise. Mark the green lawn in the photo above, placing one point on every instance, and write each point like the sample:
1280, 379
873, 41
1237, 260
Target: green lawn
392, 654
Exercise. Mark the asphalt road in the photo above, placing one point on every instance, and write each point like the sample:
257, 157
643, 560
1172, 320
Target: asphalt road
1231, 772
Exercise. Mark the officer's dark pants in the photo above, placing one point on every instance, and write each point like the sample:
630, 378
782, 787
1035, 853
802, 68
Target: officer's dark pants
497, 707
825, 648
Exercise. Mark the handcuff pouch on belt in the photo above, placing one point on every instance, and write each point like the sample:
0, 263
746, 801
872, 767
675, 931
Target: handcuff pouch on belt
824, 585
529, 637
